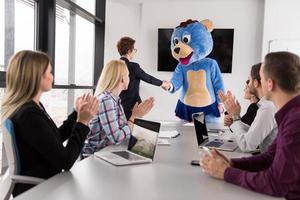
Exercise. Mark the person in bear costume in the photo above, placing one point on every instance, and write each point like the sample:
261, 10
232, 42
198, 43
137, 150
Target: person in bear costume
199, 77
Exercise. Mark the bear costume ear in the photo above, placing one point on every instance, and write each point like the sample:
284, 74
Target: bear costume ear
208, 24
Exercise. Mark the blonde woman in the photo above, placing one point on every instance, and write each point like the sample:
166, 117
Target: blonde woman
39, 141
109, 126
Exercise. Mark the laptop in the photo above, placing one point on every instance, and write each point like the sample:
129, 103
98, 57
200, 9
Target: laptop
202, 136
141, 147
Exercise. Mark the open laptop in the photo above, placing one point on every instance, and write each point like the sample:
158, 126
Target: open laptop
202, 136
141, 147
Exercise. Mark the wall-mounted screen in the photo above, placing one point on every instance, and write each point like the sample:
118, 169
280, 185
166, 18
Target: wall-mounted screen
222, 50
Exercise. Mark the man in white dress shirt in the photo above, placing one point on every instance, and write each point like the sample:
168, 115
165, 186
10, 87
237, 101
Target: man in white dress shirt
263, 130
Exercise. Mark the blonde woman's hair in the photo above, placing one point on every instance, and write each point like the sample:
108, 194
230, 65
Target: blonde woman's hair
111, 76
23, 80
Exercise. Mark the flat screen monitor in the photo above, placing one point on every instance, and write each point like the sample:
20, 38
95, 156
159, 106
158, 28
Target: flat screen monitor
222, 49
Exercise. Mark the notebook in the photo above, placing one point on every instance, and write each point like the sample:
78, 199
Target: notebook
141, 148
202, 137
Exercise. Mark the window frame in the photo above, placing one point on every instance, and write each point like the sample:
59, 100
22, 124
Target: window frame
45, 34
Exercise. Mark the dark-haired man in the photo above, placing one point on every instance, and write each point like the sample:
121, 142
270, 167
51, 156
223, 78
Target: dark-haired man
131, 96
277, 171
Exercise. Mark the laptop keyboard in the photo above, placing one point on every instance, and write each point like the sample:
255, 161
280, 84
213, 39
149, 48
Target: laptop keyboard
214, 144
127, 155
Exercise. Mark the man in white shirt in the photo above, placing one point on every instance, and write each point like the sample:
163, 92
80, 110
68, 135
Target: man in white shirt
263, 130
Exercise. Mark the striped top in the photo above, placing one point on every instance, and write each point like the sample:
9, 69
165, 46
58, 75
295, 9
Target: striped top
108, 127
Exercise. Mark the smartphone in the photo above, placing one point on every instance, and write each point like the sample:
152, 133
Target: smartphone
195, 162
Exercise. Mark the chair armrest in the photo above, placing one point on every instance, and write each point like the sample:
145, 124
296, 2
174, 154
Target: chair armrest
26, 179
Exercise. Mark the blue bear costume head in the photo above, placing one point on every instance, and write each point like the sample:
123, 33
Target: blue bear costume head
192, 41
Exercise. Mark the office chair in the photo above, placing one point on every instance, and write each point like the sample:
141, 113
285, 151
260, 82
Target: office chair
12, 175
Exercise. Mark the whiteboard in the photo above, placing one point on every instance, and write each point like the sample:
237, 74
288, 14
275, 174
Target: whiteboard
291, 45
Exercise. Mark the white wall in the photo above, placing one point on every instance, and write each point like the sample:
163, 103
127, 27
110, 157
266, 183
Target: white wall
122, 19
245, 16
281, 22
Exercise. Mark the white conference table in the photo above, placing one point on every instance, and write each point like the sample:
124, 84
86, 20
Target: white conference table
170, 176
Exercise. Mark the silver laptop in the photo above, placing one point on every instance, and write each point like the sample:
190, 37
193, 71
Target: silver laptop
202, 136
141, 147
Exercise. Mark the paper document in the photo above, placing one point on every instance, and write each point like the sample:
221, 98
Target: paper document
188, 124
161, 141
168, 134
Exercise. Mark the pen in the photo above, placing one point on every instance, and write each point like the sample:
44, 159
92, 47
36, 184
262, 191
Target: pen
176, 135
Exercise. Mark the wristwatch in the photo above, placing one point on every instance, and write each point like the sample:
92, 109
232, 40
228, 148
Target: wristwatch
236, 118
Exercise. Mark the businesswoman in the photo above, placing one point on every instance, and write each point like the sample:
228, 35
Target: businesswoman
131, 96
39, 142
250, 114
110, 126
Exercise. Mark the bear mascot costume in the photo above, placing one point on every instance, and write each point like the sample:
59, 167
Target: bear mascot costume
199, 77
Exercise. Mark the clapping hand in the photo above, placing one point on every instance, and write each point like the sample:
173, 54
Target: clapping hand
86, 107
231, 104
139, 110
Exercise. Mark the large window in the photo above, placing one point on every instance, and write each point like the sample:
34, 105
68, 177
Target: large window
17, 29
17, 32
24, 25
84, 57
74, 55
74, 60
62, 40
1, 35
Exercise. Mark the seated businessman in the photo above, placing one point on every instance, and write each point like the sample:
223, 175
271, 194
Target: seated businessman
277, 171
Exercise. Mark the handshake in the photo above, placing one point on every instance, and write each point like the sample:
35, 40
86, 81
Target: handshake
166, 85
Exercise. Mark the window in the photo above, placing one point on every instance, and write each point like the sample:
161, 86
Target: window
59, 103
74, 61
17, 28
24, 25
74, 58
74, 48
17, 32
87, 5
62, 46
84, 59
1, 35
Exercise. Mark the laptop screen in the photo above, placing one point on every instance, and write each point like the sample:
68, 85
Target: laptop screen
145, 135
200, 126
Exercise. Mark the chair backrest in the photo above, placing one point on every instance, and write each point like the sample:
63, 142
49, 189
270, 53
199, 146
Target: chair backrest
11, 150
13, 175
10, 145
6, 186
